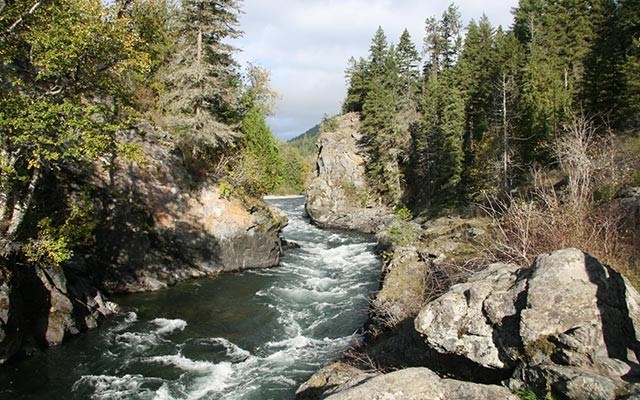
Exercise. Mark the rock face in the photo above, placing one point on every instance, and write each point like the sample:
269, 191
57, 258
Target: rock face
41, 306
421, 384
568, 324
8, 343
156, 227
337, 197
159, 230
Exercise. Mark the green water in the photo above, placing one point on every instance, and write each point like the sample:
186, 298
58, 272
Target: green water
251, 335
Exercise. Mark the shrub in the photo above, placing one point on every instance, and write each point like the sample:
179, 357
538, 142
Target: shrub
548, 218
402, 232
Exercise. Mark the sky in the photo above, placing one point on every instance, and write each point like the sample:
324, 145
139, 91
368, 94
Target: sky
306, 45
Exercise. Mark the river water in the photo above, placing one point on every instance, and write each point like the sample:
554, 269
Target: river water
250, 335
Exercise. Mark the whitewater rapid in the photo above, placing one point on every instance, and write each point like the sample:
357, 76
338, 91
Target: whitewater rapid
252, 335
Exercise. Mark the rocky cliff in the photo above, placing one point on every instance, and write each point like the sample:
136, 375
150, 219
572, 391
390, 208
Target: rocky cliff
338, 195
156, 227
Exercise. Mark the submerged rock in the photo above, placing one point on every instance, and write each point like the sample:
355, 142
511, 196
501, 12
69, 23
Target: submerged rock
338, 196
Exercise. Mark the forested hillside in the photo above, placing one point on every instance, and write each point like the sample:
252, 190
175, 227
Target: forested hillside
487, 103
535, 124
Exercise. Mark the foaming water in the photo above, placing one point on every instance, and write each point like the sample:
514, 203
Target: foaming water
251, 335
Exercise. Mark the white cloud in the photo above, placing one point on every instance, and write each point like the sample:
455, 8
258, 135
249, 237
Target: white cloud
306, 45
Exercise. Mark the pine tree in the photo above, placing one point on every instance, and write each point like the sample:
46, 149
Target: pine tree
558, 36
438, 155
408, 61
510, 57
477, 71
202, 79
356, 75
442, 42
379, 137
377, 54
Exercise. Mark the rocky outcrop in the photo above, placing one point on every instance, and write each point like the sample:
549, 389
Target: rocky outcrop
409, 270
421, 384
332, 379
160, 230
569, 325
338, 196
9, 343
156, 227
41, 306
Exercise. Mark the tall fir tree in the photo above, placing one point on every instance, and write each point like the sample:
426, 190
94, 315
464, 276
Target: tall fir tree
437, 144
408, 61
203, 83
379, 137
356, 76
477, 72
378, 52
442, 41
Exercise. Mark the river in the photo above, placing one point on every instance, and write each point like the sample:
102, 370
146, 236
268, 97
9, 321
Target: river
250, 335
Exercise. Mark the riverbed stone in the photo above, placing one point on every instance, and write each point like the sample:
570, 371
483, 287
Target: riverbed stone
421, 384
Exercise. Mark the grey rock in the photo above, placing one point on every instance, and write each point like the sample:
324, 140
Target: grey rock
331, 379
338, 196
421, 384
9, 340
570, 383
467, 318
59, 318
569, 323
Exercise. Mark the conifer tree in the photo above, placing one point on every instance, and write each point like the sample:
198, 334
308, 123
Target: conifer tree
379, 137
476, 72
443, 41
438, 155
408, 61
202, 78
378, 52
356, 75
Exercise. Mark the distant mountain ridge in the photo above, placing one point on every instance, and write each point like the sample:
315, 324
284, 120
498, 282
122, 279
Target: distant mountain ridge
306, 142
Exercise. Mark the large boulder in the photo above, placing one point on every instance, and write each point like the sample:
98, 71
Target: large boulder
421, 384
339, 196
569, 324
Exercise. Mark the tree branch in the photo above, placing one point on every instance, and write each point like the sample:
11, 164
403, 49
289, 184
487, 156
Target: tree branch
19, 20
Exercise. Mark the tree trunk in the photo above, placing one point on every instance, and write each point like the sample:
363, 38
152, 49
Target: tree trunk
199, 55
22, 206
5, 193
505, 136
